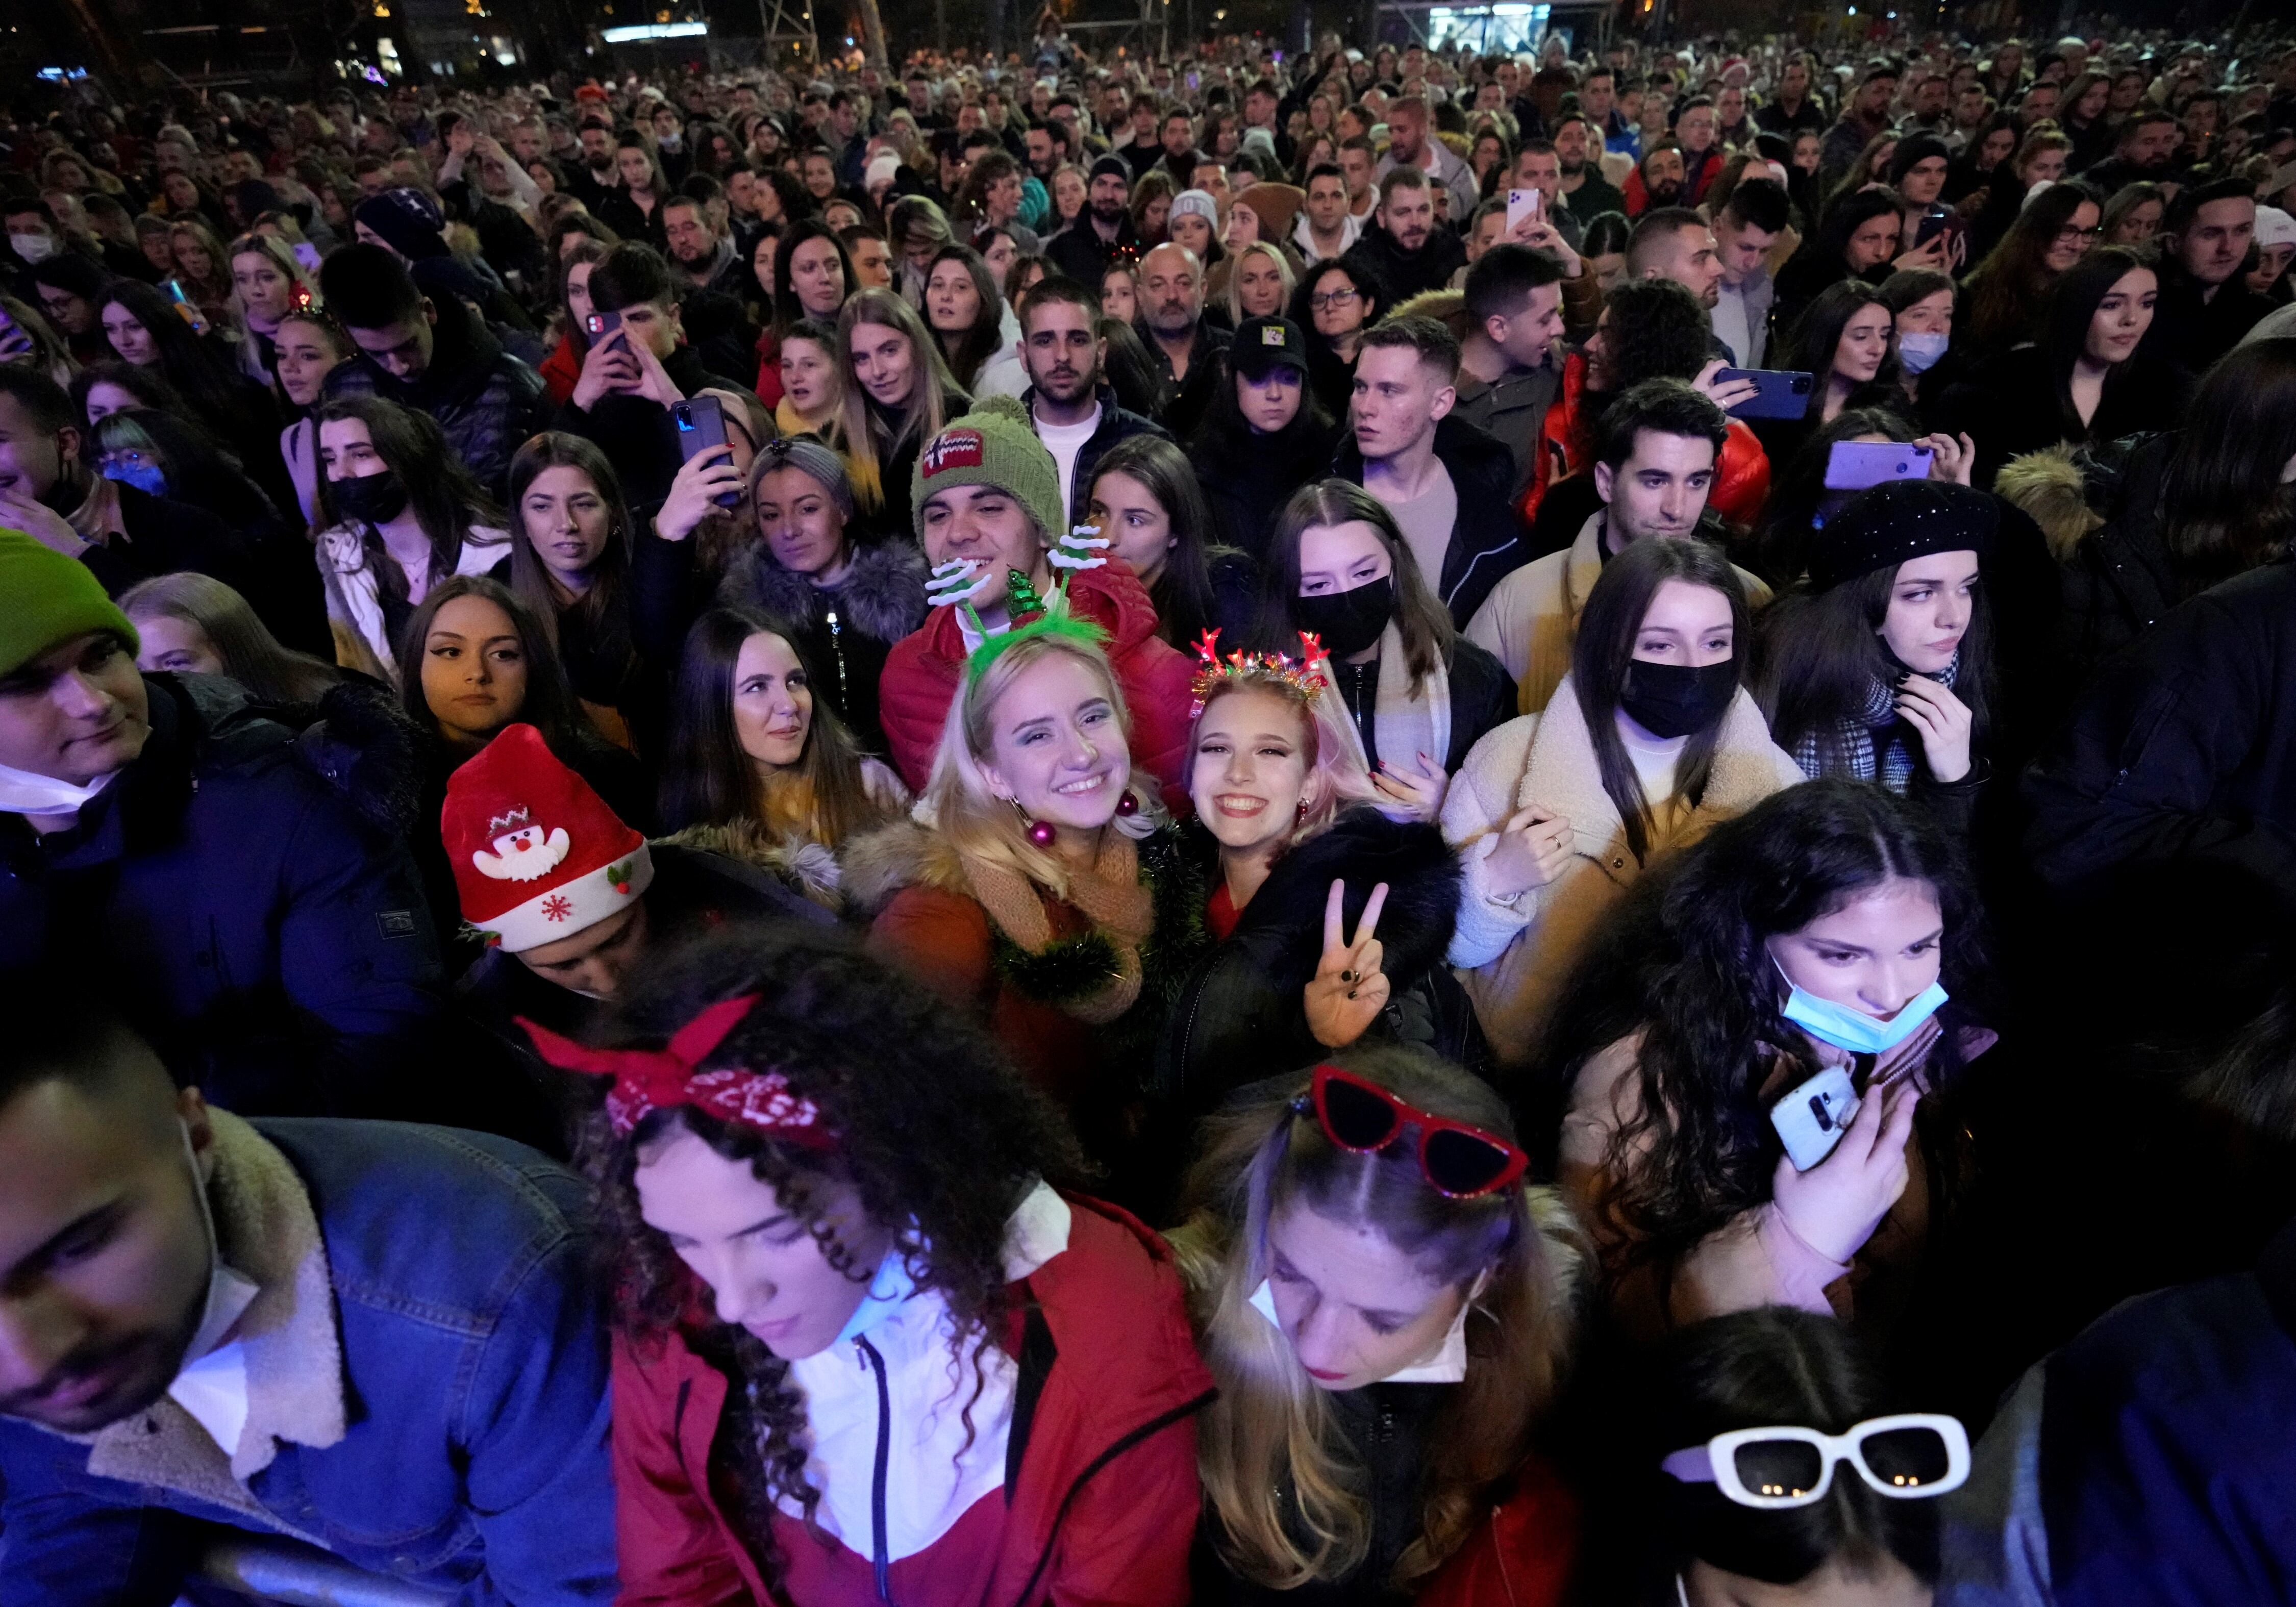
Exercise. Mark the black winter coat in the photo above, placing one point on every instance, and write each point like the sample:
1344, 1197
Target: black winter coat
486, 400
2120, 581
274, 948
1247, 477
1241, 1014
844, 632
1488, 541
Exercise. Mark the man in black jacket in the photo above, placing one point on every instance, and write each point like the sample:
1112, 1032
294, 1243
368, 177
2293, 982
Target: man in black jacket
1184, 344
1405, 250
1103, 232
1074, 410
435, 358
158, 831
2204, 308
1445, 480
636, 374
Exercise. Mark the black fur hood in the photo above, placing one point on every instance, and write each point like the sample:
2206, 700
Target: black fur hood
885, 593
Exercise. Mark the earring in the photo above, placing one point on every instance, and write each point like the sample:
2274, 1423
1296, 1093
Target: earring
1038, 832
1126, 804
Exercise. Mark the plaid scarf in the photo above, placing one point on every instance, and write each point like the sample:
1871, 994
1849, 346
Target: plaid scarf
1873, 744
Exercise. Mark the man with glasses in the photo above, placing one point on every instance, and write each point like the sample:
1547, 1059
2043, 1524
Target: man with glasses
71, 292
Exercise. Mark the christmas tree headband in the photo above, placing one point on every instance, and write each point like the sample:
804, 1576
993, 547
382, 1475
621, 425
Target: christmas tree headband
1299, 676
1035, 616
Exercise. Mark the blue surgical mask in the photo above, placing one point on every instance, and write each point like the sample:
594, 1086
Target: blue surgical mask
147, 478
1920, 352
1854, 1029
887, 1292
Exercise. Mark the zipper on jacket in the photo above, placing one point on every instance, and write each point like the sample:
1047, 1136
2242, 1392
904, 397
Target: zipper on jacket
883, 1564
837, 651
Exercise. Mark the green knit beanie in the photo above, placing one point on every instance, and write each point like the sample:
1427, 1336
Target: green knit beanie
994, 445
46, 598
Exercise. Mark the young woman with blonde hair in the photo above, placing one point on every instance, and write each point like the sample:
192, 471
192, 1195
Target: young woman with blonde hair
1386, 1309
1259, 282
898, 392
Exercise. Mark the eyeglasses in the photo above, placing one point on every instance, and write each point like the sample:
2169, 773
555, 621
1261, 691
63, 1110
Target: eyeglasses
1909, 1456
1458, 1160
1323, 299
2083, 235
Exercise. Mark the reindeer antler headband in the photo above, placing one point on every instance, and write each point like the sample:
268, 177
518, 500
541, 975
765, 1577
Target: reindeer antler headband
1300, 675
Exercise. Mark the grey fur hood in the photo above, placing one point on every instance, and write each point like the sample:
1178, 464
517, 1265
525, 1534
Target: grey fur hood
884, 594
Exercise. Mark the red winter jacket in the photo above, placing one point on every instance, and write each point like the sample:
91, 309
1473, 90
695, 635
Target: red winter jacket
921, 675
1742, 478
1101, 1509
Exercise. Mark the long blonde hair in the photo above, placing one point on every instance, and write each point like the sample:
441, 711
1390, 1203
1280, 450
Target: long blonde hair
1336, 776
964, 807
870, 443
1290, 1492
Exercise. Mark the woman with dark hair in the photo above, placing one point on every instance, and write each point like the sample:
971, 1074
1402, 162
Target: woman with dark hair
398, 515
562, 370
1603, 247
169, 456
1386, 1308
1145, 500
1987, 151
631, 206
1857, 239
1264, 431
113, 386
1751, 1097
928, 1377
2084, 117
2133, 214
813, 274
1714, 1530
1649, 741
979, 334
570, 562
843, 602
1417, 694
1130, 371
2181, 512
144, 329
310, 347
1336, 302
2085, 382
809, 380
1847, 340
1921, 303
1878, 666
2005, 300
2039, 158
756, 755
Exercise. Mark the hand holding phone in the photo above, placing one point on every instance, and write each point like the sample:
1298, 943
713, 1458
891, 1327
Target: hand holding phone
700, 422
1812, 1117
1835, 1206
1778, 393
1524, 203
1857, 465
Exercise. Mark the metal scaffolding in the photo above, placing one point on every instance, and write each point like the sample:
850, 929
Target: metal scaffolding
788, 28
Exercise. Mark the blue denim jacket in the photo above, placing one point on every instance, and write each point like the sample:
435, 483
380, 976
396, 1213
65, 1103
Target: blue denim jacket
475, 1369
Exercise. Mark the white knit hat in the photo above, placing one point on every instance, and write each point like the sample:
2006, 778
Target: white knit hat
1199, 203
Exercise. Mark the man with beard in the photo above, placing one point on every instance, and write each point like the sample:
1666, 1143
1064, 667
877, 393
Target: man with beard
1074, 411
1585, 193
1171, 299
1083, 251
1865, 115
593, 179
1404, 250
2145, 153
353, 1332
1411, 145
1794, 108
1661, 174
700, 257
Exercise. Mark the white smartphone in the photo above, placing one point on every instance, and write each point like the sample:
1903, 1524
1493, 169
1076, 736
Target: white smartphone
1811, 1117
1522, 204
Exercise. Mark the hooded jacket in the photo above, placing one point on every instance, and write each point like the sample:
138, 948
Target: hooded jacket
1095, 1382
921, 677
845, 631
274, 948
1487, 539
1240, 1015
486, 400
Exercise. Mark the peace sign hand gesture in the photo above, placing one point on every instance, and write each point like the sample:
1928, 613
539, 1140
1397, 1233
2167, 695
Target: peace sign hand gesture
1349, 989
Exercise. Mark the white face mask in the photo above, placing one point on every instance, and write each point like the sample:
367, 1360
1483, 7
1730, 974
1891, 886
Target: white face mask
27, 793
33, 248
1920, 352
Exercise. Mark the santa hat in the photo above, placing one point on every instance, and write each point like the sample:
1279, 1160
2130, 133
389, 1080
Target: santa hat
537, 856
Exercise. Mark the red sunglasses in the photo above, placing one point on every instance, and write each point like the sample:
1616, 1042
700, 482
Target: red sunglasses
1459, 1161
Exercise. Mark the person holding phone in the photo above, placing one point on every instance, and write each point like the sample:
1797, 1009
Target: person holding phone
1386, 1307
1650, 740
1846, 341
1829, 930
1879, 667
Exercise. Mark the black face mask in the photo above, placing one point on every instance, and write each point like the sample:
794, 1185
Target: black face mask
1673, 700
370, 498
1348, 622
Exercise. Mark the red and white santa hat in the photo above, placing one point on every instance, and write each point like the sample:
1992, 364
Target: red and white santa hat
537, 856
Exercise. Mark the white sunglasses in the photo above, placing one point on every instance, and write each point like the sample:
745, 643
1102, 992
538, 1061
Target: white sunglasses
1907, 1456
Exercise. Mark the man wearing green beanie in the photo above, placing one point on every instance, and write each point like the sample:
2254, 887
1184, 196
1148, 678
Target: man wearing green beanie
155, 829
988, 503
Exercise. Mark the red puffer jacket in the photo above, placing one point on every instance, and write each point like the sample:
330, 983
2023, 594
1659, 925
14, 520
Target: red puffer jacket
1099, 1497
921, 675
1741, 479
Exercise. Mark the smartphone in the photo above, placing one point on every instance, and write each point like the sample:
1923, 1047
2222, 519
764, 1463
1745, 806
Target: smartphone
1810, 1118
185, 305
1195, 80
1522, 204
1854, 466
602, 324
701, 423
1780, 393
1934, 222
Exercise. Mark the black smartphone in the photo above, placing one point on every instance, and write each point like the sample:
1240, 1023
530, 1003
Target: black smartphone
1934, 223
1779, 394
701, 427
602, 324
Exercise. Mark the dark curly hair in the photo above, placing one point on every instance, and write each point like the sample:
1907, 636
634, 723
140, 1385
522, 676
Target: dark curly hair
1698, 981
934, 1133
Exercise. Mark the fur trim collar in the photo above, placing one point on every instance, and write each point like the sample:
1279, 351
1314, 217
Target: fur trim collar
885, 591
1364, 848
2048, 485
801, 864
266, 1229
877, 865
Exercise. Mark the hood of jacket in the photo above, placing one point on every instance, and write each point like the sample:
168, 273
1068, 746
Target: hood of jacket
884, 591
2048, 486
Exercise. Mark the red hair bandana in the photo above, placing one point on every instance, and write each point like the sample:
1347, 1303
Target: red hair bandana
655, 1079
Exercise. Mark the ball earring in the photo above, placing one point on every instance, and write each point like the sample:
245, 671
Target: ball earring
1038, 832
1128, 805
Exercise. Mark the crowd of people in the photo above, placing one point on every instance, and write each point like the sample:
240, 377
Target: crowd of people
1336, 827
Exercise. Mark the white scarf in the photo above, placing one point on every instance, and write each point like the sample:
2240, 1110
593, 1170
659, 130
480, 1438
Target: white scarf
1403, 726
353, 585
29, 792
